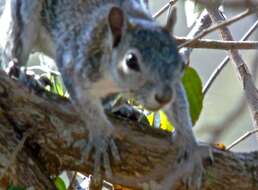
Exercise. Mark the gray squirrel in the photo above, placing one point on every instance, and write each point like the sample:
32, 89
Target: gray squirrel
103, 47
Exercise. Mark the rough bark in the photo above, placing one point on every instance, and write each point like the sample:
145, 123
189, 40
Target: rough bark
52, 127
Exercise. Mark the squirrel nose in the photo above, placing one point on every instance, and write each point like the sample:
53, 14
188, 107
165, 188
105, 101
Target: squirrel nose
164, 95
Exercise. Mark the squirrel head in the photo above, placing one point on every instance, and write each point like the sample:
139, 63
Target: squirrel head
145, 60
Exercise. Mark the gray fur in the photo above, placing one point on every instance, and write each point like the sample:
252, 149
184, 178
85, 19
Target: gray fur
78, 36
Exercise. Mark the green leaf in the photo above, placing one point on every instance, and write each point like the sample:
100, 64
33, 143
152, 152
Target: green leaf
59, 183
11, 187
59, 86
193, 88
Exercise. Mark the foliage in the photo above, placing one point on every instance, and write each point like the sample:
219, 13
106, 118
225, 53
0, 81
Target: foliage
56, 85
193, 88
59, 183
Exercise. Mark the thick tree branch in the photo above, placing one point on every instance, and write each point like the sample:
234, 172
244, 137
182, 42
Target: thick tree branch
146, 153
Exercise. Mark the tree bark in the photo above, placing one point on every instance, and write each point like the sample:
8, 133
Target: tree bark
51, 130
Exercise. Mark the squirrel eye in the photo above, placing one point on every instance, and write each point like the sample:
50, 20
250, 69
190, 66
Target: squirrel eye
132, 62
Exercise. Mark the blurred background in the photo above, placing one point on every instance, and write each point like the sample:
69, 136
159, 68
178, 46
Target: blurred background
225, 95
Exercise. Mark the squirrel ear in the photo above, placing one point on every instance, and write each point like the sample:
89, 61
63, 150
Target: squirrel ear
116, 22
171, 21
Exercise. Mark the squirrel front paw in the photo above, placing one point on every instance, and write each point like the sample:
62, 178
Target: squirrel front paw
100, 147
191, 158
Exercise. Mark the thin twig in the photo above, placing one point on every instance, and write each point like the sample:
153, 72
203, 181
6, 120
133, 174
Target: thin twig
218, 44
218, 70
242, 138
228, 122
234, 3
245, 76
219, 25
164, 8
201, 24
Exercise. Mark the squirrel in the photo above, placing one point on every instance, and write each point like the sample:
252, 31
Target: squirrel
103, 47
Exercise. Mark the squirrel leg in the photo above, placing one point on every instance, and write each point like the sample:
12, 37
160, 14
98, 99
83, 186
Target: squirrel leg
100, 145
190, 152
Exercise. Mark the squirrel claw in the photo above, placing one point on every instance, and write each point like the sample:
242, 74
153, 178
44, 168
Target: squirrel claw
114, 151
100, 145
195, 156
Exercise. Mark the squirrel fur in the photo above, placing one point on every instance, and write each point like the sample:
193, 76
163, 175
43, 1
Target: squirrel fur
102, 47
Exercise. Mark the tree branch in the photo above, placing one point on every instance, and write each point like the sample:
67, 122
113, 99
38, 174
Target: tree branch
218, 44
242, 138
219, 25
147, 154
220, 67
234, 3
164, 8
202, 23
250, 90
